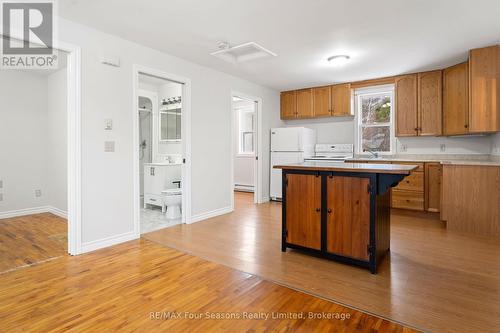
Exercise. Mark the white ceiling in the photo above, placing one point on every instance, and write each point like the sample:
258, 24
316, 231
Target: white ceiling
383, 37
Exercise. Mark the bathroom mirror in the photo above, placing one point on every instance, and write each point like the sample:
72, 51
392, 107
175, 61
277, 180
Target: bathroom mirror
170, 125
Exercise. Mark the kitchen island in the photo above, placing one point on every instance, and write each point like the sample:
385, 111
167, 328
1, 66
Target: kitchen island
340, 211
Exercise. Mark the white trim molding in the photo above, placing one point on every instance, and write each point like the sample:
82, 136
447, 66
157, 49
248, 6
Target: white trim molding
108, 241
74, 177
258, 152
32, 211
24, 212
186, 141
213, 213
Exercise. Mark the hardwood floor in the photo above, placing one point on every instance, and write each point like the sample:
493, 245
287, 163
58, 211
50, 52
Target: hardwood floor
30, 239
433, 279
136, 286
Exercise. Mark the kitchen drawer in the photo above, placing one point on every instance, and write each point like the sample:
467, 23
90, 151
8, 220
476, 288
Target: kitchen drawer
413, 182
153, 199
419, 164
413, 200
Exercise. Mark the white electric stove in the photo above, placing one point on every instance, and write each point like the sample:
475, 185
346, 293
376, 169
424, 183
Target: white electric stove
331, 152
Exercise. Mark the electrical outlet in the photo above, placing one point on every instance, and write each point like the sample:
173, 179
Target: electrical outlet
404, 147
1, 196
109, 146
38, 193
443, 147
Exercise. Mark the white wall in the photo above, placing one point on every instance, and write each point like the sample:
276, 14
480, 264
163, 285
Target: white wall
495, 147
23, 139
107, 187
57, 160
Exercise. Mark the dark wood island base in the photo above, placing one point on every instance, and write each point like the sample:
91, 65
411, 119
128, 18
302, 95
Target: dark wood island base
339, 211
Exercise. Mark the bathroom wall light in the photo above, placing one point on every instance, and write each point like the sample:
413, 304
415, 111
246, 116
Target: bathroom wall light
338, 60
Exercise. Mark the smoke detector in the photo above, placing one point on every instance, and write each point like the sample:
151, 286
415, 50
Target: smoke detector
241, 53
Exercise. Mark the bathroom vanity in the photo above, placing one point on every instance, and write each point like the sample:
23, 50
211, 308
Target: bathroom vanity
157, 178
340, 211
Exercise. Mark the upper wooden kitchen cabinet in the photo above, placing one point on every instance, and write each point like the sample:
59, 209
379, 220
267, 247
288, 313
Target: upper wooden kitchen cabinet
322, 101
305, 103
288, 105
341, 100
484, 85
406, 105
456, 99
429, 109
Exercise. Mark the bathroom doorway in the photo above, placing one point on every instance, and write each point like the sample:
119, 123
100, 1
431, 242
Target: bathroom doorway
161, 137
246, 162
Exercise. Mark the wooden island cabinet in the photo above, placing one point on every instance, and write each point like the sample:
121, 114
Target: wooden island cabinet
340, 211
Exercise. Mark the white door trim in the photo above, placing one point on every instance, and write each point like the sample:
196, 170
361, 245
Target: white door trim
258, 153
74, 141
186, 141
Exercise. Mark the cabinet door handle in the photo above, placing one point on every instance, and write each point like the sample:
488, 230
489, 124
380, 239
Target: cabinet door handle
466, 126
318, 210
329, 210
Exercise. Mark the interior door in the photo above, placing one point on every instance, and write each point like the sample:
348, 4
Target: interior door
303, 210
348, 216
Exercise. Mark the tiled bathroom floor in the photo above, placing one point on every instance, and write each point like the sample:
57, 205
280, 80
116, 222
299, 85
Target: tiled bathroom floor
153, 219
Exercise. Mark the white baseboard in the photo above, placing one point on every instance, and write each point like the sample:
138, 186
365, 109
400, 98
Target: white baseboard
213, 213
58, 212
108, 241
34, 210
23, 212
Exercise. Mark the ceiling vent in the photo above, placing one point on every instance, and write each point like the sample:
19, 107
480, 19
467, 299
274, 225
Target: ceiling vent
241, 53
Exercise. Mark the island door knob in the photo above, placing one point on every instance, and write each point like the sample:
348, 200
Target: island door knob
329, 210
318, 210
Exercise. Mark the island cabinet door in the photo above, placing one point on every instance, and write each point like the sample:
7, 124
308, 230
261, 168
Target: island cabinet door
348, 216
303, 210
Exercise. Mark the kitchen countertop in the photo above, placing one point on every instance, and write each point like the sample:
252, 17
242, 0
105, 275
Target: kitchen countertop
486, 160
350, 167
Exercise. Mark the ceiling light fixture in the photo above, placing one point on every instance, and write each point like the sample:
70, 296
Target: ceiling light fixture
338, 60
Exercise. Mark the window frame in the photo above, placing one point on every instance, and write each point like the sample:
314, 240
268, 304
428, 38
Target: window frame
240, 112
374, 90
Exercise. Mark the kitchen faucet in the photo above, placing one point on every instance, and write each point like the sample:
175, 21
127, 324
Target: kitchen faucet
373, 152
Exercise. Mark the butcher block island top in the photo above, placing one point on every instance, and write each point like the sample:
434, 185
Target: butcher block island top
350, 167
339, 211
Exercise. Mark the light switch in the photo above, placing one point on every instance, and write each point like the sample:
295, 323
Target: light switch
108, 124
109, 146
1, 183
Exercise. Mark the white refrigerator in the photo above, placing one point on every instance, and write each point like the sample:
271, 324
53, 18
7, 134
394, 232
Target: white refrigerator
288, 145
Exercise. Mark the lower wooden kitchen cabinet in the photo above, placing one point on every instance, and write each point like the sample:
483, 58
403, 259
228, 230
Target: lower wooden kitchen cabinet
419, 191
471, 199
348, 216
343, 216
433, 180
303, 210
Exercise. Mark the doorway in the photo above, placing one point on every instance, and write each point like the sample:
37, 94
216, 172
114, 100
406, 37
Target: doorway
46, 187
161, 150
246, 162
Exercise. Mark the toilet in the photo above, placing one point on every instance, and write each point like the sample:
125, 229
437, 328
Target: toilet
173, 201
